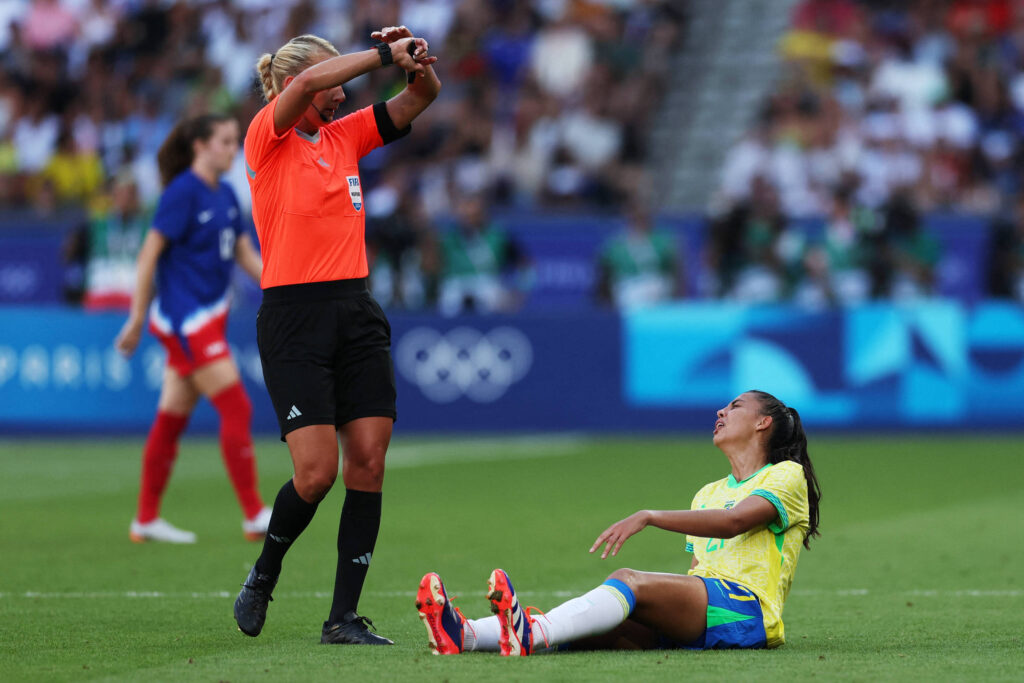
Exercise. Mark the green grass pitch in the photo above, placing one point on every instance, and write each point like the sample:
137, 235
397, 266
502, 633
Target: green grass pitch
917, 575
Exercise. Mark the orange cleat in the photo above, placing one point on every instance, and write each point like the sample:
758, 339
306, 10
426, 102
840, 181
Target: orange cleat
516, 625
445, 623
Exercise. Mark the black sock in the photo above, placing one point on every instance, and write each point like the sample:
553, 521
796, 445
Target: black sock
290, 518
357, 535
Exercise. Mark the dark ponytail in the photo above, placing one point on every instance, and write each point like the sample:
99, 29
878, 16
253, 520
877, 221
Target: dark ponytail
788, 442
176, 153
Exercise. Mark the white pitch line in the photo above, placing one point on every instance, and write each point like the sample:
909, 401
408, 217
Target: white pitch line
222, 595
483, 450
918, 592
1008, 593
210, 595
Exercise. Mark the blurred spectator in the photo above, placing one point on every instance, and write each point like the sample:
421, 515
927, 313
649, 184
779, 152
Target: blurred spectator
744, 254
148, 125
230, 46
836, 18
74, 257
561, 57
76, 173
1006, 255
839, 269
115, 235
902, 75
44, 199
640, 265
483, 269
401, 247
35, 136
48, 25
913, 253
509, 42
98, 23
433, 18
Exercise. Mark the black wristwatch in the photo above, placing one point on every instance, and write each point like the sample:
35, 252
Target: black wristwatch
384, 50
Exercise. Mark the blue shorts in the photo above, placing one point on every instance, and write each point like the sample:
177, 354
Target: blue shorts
734, 618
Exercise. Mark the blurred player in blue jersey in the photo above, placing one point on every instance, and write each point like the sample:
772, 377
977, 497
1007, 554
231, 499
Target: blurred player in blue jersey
194, 243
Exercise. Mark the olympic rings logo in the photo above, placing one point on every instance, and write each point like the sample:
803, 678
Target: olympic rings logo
463, 362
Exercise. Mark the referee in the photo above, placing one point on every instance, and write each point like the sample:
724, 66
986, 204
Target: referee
324, 342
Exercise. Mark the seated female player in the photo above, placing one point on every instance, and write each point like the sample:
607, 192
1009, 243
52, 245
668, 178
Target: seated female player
745, 532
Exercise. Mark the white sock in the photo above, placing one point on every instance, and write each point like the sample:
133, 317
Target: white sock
482, 635
599, 611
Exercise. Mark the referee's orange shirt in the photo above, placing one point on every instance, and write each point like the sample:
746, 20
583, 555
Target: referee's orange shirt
307, 200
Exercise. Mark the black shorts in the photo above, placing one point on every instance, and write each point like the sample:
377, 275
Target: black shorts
326, 354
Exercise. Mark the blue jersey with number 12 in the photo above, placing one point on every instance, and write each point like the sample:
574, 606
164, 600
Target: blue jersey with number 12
201, 225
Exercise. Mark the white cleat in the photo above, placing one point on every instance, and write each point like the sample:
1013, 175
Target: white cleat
159, 530
255, 529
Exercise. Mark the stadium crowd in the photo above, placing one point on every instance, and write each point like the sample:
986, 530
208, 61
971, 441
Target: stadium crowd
545, 104
885, 111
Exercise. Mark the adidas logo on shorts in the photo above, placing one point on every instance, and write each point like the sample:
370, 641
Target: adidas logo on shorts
293, 413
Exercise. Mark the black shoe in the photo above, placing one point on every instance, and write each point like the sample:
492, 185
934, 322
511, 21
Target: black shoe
351, 630
251, 604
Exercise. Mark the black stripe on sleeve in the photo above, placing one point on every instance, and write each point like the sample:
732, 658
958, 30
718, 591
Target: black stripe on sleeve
385, 126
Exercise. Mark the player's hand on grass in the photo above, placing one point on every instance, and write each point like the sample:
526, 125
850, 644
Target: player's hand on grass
128, 338
615, 535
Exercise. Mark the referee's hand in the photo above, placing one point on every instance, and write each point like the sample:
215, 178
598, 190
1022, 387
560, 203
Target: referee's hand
390, 34
411, 54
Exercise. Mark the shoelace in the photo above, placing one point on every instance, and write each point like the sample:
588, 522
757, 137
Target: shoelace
529, 615
451, 600
366, 621
260, 591
465, 623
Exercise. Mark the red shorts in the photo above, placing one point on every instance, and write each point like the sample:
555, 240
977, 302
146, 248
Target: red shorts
205, 345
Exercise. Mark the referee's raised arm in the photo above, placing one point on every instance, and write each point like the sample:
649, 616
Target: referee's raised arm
405, 51
424, 85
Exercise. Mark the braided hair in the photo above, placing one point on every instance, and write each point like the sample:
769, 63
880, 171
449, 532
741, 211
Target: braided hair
788, 442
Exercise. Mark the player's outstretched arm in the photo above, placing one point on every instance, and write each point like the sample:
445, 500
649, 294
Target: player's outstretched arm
131, 333
751, 512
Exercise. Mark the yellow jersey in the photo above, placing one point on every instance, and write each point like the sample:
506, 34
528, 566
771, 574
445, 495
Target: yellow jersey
764, 558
